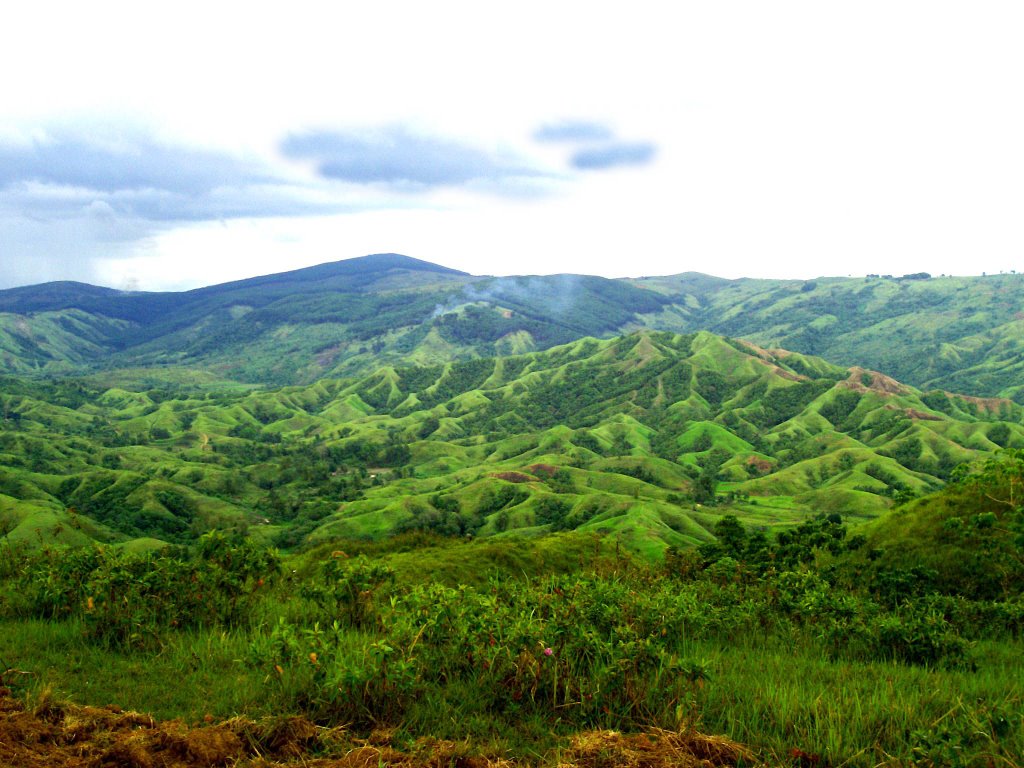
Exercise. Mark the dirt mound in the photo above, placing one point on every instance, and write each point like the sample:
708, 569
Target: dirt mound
59, 735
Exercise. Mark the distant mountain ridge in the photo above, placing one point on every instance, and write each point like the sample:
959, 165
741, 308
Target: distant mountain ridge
349, 317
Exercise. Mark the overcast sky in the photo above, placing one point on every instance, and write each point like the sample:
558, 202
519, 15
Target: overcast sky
172, 145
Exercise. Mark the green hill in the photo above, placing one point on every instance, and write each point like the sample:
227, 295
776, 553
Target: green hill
962, 334
650, 438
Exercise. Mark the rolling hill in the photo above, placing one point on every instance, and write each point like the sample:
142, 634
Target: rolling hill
649, 437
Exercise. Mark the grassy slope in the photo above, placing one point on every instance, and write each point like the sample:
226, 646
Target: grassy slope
605, 435
953, 333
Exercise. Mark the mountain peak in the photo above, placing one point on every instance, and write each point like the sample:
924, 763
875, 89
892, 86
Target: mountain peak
381, 261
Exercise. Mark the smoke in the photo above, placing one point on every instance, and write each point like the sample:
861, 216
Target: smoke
556, 295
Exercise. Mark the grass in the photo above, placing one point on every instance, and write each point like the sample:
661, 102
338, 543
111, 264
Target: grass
452, 647
780, 698
761, 692
191, 676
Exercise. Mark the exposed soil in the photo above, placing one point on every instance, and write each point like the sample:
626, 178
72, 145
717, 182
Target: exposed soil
986, 404
514, 477
879, 382
61, 735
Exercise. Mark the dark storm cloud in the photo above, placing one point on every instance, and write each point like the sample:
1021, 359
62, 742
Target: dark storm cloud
396, 156
573, 131
612, 155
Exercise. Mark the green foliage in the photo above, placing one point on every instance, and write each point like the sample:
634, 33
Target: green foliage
614, 645
338, 457
129, 600
345, 590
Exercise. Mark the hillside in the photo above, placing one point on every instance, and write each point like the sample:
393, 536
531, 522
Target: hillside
351, 317
961, 334
649, 438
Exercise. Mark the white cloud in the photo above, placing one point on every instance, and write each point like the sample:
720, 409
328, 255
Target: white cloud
792, 138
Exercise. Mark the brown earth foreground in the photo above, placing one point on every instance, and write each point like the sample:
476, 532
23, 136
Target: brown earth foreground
70, 736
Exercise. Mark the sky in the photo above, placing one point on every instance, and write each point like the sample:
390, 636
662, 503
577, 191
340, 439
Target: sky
168, 146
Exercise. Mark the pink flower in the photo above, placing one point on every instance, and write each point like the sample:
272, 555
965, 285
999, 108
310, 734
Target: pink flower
548, 651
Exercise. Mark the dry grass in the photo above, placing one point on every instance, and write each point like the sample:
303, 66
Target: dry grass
55, 734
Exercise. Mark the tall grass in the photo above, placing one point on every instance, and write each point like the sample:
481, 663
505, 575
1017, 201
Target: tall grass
518, 662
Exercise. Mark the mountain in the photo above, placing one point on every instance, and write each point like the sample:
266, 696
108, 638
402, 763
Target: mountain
350, 317
650, 437
333, 319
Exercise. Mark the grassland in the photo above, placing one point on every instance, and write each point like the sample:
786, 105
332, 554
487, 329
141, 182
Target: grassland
649, 438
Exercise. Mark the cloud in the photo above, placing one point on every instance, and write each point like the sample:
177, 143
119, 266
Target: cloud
394, 156
612, 155
132, 176
573, 131
113, 164
596, 147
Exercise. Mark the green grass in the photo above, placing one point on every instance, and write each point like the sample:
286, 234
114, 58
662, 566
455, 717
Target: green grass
743, 671
860, 713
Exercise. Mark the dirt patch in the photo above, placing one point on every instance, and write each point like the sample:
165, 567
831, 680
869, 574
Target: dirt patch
514, 477
984, 404
783, 373
757, 351
654, 749
921, 415
758, 467
59, 735
770, 358
863, 380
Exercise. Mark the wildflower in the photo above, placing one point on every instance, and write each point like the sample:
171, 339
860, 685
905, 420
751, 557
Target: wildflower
548, 651
89, 604
312, 658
